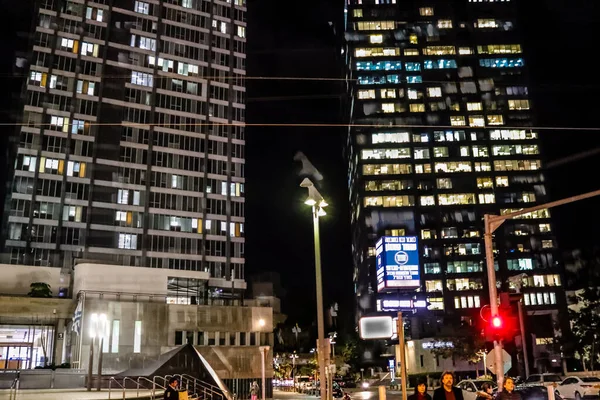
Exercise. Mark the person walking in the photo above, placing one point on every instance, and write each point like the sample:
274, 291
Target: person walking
447, 391
171, 391
508, 391
254, 391
486, 392
420, 391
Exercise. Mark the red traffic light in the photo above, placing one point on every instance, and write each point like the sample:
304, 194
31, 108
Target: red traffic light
497, 322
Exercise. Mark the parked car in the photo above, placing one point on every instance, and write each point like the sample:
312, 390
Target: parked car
535, 393
470, 387
542, 380
574, 387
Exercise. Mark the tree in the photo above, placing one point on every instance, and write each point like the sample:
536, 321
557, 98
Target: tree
585, 322
39, 289
465, 344
351, 353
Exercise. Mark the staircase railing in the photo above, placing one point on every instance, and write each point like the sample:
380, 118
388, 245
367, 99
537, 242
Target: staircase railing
214, 389
110, 381
14, 388
153, 388
200, 387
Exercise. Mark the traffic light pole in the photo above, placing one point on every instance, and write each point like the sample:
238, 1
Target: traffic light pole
491, 223
491, 273
401, 344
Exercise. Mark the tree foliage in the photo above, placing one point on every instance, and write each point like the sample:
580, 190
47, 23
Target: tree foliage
40, 289
465, 343
585, 323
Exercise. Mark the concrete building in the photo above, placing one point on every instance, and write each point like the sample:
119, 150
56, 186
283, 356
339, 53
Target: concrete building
144, 315
131, 144
441, 134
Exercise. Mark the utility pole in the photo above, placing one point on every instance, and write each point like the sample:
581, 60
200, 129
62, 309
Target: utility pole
491, 223
401, 344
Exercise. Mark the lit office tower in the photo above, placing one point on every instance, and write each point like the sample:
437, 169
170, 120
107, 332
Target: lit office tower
131, 149
442, 134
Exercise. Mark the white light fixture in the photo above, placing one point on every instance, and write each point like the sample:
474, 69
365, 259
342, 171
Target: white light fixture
310, 202
261, 322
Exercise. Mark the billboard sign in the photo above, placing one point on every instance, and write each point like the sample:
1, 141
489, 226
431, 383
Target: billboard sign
397, 263
376, 327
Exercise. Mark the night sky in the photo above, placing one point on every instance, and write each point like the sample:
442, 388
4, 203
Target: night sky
298, 41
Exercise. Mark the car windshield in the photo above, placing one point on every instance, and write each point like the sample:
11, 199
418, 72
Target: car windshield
479, 384
552, 378
591, 379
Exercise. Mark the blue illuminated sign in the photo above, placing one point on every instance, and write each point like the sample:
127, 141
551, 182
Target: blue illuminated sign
397, 263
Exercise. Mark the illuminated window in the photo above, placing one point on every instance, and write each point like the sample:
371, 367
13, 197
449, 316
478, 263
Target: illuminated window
375, 25
474, 106
387, 169
457, 120
452, 167
453, 199
476, 120
413, 39
444, 183
358, 13
388, 107
427, 201
487, 198
500, 49
426, 11
376, 38
366, 94
518, 104
467, 302
423, 169
444, 24
440, 152
482, 167
428, 234
399, 137
480, 151
495, 120
376, 51
439, 50
463, 51
385, 154
487, 23
485, 183
388, 93
417, 108
411, 52
512, 134
421, 154
434, 92
502, 181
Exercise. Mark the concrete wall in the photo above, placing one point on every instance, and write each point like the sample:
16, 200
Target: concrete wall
15, 279
160, 321
118, 278
417, 348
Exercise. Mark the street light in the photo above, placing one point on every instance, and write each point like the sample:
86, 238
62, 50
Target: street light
264, 351
316, 201
97, 330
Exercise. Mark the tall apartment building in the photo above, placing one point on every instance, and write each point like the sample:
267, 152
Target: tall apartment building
442, 134
131, 148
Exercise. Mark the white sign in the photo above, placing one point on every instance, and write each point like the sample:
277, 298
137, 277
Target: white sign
491, 359
376, 327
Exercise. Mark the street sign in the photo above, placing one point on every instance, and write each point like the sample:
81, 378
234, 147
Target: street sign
491, 359
376, 327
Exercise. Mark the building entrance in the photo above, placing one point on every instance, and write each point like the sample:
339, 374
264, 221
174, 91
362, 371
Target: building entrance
26, 347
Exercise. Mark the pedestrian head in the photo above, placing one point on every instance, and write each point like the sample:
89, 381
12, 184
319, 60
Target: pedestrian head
447, 379
173, 381
509, 384
421, 387
487, 388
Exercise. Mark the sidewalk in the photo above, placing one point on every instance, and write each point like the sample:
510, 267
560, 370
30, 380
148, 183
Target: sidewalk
76, 394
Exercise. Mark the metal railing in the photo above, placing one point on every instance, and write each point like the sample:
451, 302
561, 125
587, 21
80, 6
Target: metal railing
110, 381
200, 387
213, 388
153, 388
14, 387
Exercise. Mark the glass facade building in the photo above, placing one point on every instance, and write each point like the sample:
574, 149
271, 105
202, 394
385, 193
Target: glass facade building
443, 132
131, 146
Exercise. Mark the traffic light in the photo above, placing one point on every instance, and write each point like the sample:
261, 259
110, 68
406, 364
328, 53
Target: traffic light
504, 325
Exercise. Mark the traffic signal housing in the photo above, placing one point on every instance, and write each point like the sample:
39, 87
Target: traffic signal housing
503, 326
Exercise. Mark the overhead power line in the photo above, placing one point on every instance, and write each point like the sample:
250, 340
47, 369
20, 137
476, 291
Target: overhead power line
318, 125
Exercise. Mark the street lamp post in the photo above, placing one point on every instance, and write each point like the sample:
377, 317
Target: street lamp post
97, 330
316, 201
101, 334
264, 351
